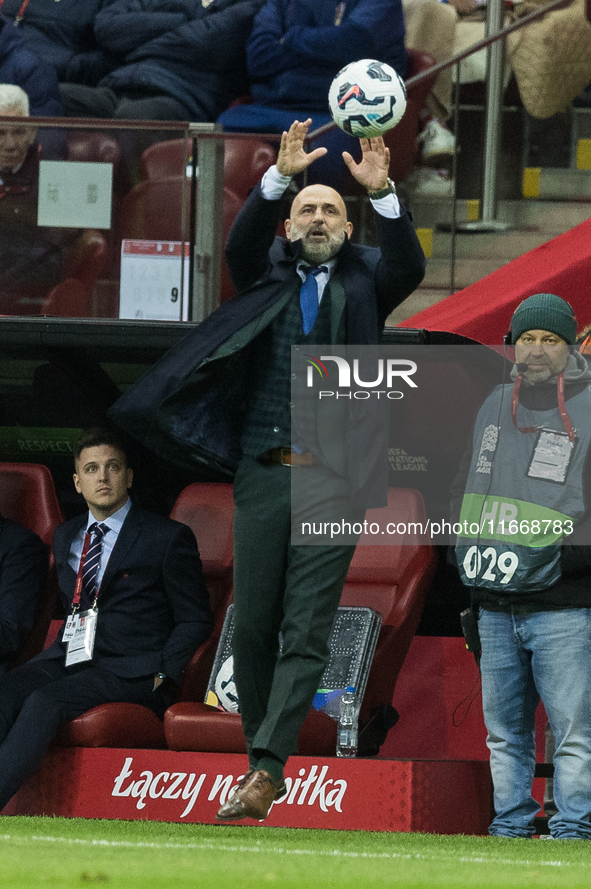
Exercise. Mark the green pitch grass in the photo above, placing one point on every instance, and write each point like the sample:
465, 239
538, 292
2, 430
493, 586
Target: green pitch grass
38, 853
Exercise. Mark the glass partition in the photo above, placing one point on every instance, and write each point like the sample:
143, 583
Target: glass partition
119, 220
126, 221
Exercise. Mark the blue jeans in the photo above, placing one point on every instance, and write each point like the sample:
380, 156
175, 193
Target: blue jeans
528, 656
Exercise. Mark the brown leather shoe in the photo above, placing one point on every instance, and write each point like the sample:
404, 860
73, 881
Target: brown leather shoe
253, 798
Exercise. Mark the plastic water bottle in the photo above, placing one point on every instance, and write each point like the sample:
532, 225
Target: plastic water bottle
348, 727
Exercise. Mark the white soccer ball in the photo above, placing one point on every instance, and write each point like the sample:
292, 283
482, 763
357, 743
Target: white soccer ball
225, 687
367, 98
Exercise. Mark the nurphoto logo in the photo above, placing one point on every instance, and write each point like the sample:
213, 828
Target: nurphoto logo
387, 372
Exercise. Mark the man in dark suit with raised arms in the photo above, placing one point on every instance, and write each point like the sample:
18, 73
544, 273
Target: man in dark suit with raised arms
222, 398
137, 609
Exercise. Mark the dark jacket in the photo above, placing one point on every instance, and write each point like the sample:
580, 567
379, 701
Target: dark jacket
63, 35
296, 47
32, 257
21, 67
23, 570
188, 406
180, 48
153, 608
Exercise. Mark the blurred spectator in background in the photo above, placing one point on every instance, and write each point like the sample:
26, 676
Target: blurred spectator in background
551, 59
62, 34
294, 51
431, 26
31, 257
178, 60
20, 66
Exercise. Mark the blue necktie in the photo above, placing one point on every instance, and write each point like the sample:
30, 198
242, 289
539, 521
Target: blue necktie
309, 298
93, 558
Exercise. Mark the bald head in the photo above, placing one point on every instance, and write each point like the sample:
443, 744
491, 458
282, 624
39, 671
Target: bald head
318, 194
319, 219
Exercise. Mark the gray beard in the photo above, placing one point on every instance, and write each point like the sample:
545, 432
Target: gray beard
318, 253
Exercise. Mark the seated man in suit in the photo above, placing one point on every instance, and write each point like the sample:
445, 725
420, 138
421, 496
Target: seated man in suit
23, 568
132, 585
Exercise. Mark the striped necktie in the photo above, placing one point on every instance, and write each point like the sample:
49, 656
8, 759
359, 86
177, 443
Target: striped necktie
93, 558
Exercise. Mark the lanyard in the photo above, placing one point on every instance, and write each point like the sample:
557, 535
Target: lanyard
21, 13
78, 587
561, 407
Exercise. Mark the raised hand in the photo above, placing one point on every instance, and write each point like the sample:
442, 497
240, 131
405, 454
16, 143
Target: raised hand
292, 158
372, 171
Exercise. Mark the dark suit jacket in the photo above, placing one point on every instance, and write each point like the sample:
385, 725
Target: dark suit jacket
188, 407
23, 570
153, 608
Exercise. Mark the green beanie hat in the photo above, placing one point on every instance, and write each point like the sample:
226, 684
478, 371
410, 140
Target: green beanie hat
544, 311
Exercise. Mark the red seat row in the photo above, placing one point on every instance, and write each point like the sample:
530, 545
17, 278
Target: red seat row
391, 579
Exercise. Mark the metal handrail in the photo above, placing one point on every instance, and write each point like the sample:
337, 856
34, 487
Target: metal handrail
495, 33
482, 44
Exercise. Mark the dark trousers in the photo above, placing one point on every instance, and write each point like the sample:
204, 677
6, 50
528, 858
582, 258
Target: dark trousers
279, 587
37, 697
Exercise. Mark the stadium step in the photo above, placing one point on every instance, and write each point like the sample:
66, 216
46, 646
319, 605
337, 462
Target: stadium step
428, 796
531, 221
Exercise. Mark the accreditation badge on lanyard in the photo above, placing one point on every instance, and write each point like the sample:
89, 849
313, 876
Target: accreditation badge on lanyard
80, 629
552, 455
80, 636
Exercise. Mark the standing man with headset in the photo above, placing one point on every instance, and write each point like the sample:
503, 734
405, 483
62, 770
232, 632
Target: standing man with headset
527, 485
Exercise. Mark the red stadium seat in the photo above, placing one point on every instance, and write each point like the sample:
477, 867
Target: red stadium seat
27, 496
245, 161
392, 579
208, 510
68, 299
196, 726
72, 297
114, 725
153, 210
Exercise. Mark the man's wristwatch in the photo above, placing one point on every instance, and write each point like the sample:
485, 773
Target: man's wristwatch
376, 195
